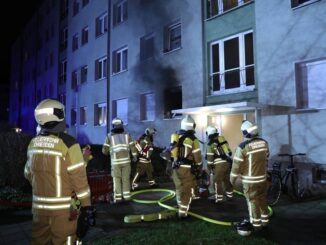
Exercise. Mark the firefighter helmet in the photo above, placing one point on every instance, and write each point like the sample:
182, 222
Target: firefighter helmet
244, 228
188, 123
150, 131
49, 110
117, 123
211, 130
249, 129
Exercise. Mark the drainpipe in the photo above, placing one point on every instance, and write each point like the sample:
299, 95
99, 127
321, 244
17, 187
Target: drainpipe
108, 70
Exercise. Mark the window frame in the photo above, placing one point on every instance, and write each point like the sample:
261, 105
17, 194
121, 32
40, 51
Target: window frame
222, 71
83, 115
120, 12
101, 25
297, 5
168, 41
114, 111
120, 59
144, 114
101, 70
84, 35
219, 4
100, 113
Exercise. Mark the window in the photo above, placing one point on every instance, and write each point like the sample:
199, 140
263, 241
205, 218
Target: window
100, 68
217, 7
120, 109
63, 72
74, 80
64, 9
299, 3
232, 64
75, 9
85, 2
73, 117
82, 115
83, 74
120, 12
101, 24
75, 42
100, 114
120, 60
311, 84
172, 100
63, 39
146, 47
172, 37
84, 35
147, 107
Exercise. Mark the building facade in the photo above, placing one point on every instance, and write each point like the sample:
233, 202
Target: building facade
151, 62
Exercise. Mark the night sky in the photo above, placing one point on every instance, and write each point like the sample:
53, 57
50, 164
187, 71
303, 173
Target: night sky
19, 13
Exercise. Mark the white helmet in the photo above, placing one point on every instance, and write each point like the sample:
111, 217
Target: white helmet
150, 131
49, 110
117, 123
211, 130
188, 123
249, 129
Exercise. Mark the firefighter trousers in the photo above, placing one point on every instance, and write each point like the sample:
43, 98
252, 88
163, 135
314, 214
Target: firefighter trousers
256, 196
184, 183
222, 181
121, 181
144, 168
55, 230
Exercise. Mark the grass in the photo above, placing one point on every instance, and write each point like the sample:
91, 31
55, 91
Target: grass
187, 232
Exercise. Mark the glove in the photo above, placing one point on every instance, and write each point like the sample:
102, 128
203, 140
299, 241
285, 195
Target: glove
87, 218
82, 223
87, 153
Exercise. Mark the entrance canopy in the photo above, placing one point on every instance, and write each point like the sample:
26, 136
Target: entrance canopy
223, 108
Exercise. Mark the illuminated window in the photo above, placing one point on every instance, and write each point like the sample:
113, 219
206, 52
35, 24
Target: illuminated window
100, 113
147, 107
120, 109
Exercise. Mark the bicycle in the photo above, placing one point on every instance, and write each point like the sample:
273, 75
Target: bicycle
278, 182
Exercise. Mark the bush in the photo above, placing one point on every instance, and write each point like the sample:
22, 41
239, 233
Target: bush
13, 156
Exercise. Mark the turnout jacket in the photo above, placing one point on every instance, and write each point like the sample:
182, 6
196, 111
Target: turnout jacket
55, 168
188, 150
119, 146
250, 161
145, 148
217, 150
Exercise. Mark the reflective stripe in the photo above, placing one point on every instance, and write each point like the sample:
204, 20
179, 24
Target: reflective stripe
256, 225
106, 145
253, 177
238, 159
51, 199
219, 160
252, 181
183, 206
159, 216
185, 166
234, 175
194, 151
51, 207
189, 146
49, 152
58, 176
83, 194
142, 217
69, 240
255, 151
44, 111
249, 130
210, 153
250, 165
77, 165
134, 180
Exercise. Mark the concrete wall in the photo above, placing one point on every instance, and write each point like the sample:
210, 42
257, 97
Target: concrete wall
93, 91
295, 35
164, 70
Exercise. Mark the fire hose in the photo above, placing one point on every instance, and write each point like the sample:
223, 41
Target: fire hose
171, 211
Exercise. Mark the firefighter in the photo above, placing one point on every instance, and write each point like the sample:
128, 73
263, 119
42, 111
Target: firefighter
55, 168
250, 164
185, 157
119, 144
218, 155
144, 146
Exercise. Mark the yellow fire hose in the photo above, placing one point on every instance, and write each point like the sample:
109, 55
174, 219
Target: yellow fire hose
171, 211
